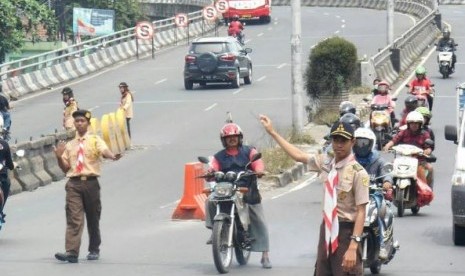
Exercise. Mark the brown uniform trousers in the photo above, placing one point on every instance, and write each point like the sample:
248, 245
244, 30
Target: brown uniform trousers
82, 197
332, 265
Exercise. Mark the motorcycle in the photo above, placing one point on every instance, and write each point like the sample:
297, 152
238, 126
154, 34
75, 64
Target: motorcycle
378, 213
239, 36
444, 59
410, 187
421, 94
231, 218
380, 123
19, 153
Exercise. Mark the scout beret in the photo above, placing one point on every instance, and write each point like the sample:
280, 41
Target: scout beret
123, 84
342, 129
67, 91
82, 113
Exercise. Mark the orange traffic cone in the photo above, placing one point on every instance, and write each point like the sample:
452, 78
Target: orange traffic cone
192, 204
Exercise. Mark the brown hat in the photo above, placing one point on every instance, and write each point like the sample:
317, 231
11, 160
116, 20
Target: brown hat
123, 84
82, 113
342, 129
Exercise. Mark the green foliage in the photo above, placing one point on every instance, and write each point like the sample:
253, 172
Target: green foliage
326, 117
360, 90
301, 138
276, 160
332, 66
20, 20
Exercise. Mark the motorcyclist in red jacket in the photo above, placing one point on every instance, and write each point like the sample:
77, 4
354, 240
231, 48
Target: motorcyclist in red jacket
235, 28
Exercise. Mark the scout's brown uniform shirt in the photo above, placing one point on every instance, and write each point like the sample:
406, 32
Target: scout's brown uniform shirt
352, 189
68, 120
94, 146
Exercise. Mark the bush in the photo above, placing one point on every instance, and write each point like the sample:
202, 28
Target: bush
332, 66
326, 117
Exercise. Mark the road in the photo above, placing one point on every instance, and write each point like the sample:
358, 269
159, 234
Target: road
173, 126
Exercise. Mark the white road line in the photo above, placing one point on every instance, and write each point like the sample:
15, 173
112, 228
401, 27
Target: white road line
161, 81
170, 204
338, 16
336, 32
276, 23
296, 188
210, 107
261, 78
260, 34
452, 97
313, 46
343, 26
325, 13
270, 28
281, 65
343, 21
92, 108
237, 91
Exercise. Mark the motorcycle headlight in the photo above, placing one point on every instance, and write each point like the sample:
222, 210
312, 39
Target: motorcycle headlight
230, 176
444, 63
403, 168
223, 190
458, 178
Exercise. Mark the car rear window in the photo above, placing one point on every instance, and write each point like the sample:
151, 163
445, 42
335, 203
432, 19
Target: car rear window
216, 48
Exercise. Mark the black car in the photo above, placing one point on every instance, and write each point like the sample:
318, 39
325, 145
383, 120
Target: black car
217, 60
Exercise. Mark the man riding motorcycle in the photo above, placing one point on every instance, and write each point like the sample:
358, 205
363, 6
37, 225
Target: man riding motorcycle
422, 84
374, 164
411, 103
426, 125
234, 157
417, 136
235, 28
383, 98
347, 107
447, 41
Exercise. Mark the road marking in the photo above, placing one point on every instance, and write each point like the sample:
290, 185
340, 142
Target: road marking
281, 65
343, 21
325, 13
313, 46
247, 41
161, 81
270, 28
260, 34
343, 26
453, 97
261, 78
336, 32
276, 23
296, 188
338, 16
237, 91
170, 204
210, 107
95, 107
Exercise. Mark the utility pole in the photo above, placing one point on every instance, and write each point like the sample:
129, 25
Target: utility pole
390, 21
296, 67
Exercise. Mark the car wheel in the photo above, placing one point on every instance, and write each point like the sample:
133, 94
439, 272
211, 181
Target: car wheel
248, 78
188, 84
459, 235
237, 81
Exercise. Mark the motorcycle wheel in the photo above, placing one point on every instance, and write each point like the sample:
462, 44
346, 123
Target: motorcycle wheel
445, 72
222, 253
400, 204
242, 255
375, 267
236, 83
379, 139
415, 210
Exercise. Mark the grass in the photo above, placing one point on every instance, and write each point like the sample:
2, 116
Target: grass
326, 117
360, 90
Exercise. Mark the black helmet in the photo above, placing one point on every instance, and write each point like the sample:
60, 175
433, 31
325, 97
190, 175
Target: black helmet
446, 33
346, 107
67, 91
351, 119
411, 102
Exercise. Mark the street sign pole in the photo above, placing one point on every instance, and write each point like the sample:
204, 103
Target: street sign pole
137, 48
296, 65
153, 47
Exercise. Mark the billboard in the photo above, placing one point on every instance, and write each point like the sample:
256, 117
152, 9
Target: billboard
93, 22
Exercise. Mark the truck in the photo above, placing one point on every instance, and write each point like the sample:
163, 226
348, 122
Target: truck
249, 10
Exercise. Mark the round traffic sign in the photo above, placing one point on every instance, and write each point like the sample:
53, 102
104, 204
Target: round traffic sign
222, 6
144, 30
181, 20
209, 13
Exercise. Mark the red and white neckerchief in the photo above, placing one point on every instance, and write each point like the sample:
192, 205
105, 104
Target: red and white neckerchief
80, 157
330, 210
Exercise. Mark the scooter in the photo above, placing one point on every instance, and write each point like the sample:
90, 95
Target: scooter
380, 123
411, 190
240, 36
378, 214
232, 216
422, 95
444, 59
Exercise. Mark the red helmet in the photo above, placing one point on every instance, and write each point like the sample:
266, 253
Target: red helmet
230, 129
381, 88
235, 17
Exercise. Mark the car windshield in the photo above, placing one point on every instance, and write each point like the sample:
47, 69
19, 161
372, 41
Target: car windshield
199, 48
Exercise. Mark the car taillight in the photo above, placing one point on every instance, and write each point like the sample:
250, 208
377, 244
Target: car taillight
228, 57
189, 59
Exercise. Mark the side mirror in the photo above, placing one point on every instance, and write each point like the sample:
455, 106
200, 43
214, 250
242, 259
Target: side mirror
450, 133
432, 85
388, 167
456, 44
429, 142
394, 99
366, 100
20, 153
407, 85
256, 156
435, 44
203, 159
248, 50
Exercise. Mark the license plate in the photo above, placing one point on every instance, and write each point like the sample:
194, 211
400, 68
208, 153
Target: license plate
246, 16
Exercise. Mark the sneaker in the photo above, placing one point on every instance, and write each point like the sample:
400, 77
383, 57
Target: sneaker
66, 257
93, 256
266, 263
383, 255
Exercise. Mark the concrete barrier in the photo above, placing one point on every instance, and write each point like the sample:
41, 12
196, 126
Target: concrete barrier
25, 175
36, 160
49, 158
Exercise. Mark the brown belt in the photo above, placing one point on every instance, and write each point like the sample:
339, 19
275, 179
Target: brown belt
83, 178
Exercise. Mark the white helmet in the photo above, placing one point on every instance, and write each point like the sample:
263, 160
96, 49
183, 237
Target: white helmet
415, 117
365, 141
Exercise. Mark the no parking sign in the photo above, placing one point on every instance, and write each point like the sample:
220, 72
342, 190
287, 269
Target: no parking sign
181, 19
209, 13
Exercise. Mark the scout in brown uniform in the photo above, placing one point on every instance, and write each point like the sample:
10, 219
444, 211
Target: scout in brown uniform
80, 160
341, 256
70, 107
126, 104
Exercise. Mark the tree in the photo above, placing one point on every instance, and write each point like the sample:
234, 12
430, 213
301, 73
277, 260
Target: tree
332, 67
21, 20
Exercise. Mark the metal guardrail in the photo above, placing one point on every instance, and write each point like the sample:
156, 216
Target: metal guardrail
40, 61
